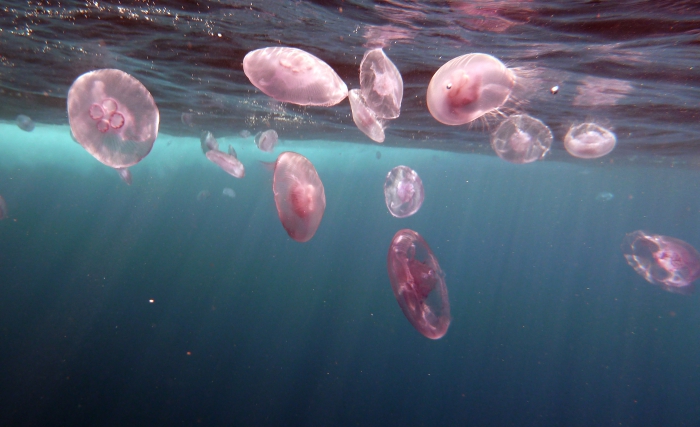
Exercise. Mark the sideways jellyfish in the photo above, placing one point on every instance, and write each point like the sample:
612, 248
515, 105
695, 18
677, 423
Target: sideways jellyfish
3, 209
403, 191
124, 174
230, 164
381, 84
364, 117
208, 142
418, 284
266, 141
228, 192
299, 195
467, 87
521, 139
25, 123
589, 141
232, 151
113, 116
604, 196
665, 261
292, 75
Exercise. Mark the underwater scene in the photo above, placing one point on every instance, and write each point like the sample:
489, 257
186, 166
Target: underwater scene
349, 213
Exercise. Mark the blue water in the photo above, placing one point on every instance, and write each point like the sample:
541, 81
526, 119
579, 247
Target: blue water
148, 305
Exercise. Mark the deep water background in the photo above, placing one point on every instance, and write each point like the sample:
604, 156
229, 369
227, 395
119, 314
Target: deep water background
247, 327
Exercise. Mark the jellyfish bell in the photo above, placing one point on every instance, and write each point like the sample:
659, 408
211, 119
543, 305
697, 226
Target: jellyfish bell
293, 75
208, 142
364, 117
267, 140
467, 87
403, 191
589, 141
228, 163
25, 123
381, 84
521, 139
113, 116
667, 262
299, 195
418, 284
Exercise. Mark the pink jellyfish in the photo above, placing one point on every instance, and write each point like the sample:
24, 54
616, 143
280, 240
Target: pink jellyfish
292, 75
403, 191
230, 164
418, 284
589, 141
299, 195
665, 261
468, 87
364, 117
381, 84
266, 141
521, 139
113, 116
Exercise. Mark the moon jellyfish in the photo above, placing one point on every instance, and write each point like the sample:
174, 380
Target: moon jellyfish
3, 209
266, 141
203, 195
187, 119
228, 192
25, 123
468, 87
664, 261
299, 195
208, 142
521, 139
589, 141
364, 117
230, 164
124, 174
403, 191
381, 84
244, 133
292, 75
418, 284
604, 196
113, 116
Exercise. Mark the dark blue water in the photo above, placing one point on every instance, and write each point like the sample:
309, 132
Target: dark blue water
142, 305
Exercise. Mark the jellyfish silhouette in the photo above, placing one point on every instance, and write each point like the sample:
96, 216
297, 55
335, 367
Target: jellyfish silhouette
3, 209
244, 133
228, 192
208, 142
299, 195
418, 284
364, 117
667, 262
266, 140
25, 123
113, 116
232, 151
589, 141
403, 191
521, 139
292, 75
381, 84
230, 164
467, 87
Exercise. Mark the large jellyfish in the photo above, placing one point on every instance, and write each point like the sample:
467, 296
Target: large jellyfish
589, 141
25, 123
403, 191
364, 117
266, 141
665, 261
467, 87
113, 116
381, 84
418, 284
521, 139
292, 75
299, 195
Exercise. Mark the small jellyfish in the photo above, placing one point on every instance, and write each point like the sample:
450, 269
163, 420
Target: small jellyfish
418, 284
292, 75
187, 119
244, 133
113, 116
381, 84
232, 151
3, 209
403, 191
364, 117
124, 174
230, 164
589, 141
25, 123
665, 261
208, 142
203, 195
604, 196
228, 192
378, 155
521, 139
299, 195
467, 87
266, 140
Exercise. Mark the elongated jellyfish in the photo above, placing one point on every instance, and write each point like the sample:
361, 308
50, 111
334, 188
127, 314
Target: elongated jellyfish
228, 163
418, 284
403, 191
364, 117
381, 84
521, 139
266, 141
